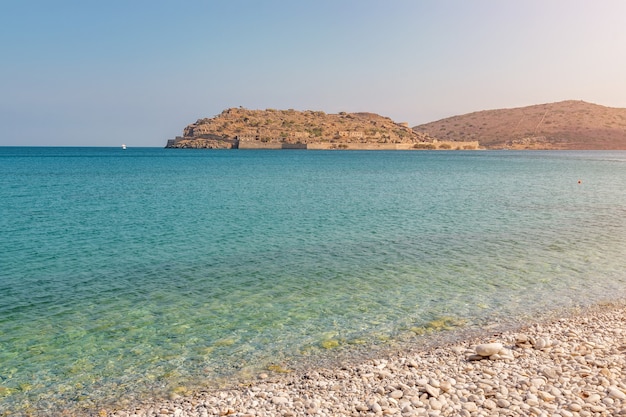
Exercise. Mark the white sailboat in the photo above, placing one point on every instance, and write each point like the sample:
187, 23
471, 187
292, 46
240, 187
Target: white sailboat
123, 146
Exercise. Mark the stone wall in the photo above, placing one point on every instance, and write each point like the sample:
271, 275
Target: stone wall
211, 142
257, 144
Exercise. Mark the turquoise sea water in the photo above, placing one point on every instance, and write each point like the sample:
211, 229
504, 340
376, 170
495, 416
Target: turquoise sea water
126, 274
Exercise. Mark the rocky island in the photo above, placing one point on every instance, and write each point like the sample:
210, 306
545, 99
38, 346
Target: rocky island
290, 129
573, 125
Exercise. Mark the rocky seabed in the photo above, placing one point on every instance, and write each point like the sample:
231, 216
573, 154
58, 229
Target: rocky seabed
567, 367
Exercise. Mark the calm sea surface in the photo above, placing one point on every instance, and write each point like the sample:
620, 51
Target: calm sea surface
145, 271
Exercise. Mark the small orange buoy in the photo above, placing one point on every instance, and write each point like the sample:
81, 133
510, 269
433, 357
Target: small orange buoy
580, 182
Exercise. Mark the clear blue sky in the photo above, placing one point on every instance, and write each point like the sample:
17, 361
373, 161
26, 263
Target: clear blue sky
102, 73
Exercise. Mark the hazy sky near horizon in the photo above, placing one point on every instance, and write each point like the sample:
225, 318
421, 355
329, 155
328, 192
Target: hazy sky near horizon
87, 73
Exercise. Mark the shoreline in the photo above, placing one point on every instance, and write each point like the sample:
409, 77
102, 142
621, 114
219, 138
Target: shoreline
565, 363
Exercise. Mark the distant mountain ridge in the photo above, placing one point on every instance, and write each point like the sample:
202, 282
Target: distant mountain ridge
562, 125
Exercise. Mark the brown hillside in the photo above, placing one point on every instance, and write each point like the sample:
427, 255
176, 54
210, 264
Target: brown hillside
564, 125
237, 127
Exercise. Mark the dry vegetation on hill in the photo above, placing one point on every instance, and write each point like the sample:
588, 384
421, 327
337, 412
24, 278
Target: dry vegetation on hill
292, 125
263, 128
564, 125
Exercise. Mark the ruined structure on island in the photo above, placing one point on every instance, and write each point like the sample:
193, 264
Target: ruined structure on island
290, 129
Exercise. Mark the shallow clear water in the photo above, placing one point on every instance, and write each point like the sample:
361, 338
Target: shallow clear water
126, 273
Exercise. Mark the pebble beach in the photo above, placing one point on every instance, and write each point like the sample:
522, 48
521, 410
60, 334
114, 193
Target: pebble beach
568, 365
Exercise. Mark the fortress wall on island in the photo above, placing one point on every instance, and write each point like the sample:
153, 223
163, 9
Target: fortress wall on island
257, 144
436, 145
270, 145
294, 146
327, 145
448, 144
361, 146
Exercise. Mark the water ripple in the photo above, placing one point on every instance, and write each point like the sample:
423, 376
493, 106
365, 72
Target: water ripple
128, 274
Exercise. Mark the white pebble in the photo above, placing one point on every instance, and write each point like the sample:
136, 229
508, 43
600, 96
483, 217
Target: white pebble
503, 403
280, 400
593, 398
470, 406
435, 404
397, 394
617, 394
488, 349
432, 391
376, 408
